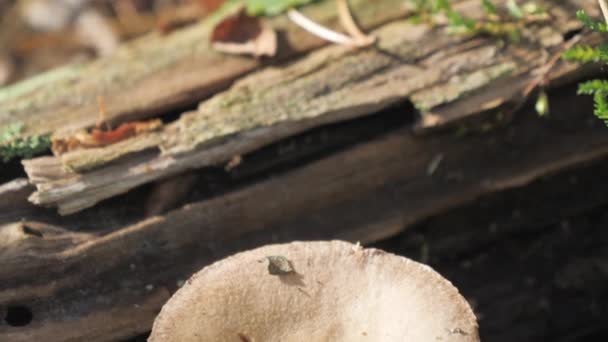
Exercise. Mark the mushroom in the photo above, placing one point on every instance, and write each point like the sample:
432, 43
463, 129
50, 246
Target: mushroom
316, 291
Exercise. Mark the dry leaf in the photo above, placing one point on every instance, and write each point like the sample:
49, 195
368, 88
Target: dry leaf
244, 35
99, 138
211, 5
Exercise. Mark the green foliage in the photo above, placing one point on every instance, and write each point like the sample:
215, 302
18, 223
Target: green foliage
427, 8
591, 87
586, 54
514, 10
496, 23
255, 8
590, 23
10, 132
599, 90
12, 146
489, 7
457, 20
272, 7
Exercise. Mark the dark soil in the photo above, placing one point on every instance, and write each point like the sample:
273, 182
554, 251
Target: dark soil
532, 262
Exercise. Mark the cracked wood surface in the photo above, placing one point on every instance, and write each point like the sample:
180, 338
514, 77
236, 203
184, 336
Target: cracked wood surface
157, 73
329, 85
365, 193
84, 279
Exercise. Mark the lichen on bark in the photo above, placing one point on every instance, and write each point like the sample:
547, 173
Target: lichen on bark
13, 146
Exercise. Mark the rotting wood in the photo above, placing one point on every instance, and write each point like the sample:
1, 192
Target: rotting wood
158, 72
13, 199
366, 193
330, 85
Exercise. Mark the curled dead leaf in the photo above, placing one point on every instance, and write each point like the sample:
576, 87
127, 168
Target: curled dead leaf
98, 137
244, 35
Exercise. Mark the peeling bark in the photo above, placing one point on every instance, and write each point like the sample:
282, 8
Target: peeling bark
330, 85
157, 73
365, 193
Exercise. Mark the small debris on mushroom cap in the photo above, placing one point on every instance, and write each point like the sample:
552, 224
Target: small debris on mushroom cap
279, 265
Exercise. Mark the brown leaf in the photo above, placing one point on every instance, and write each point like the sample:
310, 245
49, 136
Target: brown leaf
211, 5
243, 34
99, 138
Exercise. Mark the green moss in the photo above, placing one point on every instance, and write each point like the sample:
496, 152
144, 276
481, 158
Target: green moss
272, 7
11, 146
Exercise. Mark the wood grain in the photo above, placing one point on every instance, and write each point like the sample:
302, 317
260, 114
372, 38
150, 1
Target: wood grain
158, 72
329, 85
365, 193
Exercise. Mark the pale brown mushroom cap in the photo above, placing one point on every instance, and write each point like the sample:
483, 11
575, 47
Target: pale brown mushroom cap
340, 292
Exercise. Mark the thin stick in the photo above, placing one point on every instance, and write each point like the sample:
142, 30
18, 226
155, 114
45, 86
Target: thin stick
347, 21
604, 7
101, 116
540, 79
318, 30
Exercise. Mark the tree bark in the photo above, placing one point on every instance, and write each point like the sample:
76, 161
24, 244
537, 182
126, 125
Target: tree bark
157, 73
366, 193
349, 159
475, 75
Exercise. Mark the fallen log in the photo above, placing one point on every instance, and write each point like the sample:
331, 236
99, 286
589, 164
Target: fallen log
368, 192
158, 73
100, 275
330, 85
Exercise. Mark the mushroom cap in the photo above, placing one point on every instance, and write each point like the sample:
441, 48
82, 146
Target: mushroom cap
337, 292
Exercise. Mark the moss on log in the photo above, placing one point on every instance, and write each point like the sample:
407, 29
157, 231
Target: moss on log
332, 84
157, 72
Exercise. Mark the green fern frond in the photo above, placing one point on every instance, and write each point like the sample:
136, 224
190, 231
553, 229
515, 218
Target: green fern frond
599, 90
601, 105
593, 86
590, 23
587, 54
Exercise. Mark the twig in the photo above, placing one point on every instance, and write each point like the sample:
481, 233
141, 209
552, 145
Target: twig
318, 30
542, 74
604, 7
101, 116
347, 21
545, 69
